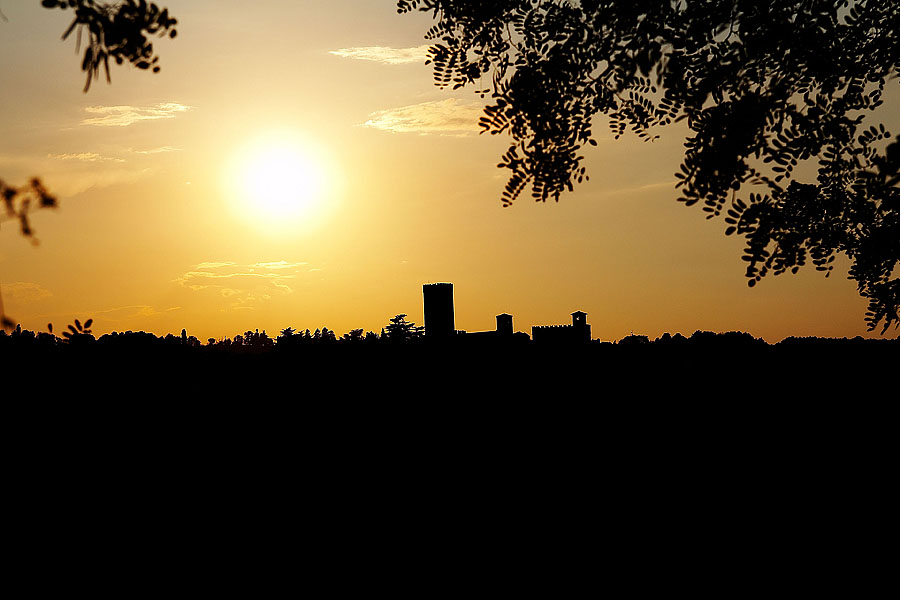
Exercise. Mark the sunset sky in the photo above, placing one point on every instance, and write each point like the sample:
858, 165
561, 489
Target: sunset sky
175, 212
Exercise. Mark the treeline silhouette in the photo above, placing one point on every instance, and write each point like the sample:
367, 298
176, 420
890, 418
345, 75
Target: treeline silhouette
401, 362
402, 334
644, 418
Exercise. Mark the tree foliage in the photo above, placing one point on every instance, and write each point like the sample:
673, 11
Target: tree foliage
121, 31
399, 330
778, 97
77, 333
19, 202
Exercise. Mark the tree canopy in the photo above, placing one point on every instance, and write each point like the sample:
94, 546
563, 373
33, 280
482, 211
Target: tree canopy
779, 97
118, 30
399, 330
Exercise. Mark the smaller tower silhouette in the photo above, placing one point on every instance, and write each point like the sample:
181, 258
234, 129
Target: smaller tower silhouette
578, 332
580, 327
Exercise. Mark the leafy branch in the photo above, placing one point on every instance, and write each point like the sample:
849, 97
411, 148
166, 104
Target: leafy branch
121, 31
763, 88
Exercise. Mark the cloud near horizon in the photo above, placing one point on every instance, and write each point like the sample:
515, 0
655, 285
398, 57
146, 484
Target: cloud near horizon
84, 157
76, 181
159, 150
384, 54
242, 285
213, 265
25, 291
67, 174
121, 313
443, 117
123, 116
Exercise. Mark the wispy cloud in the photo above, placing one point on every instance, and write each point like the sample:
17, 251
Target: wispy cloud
159, 150
385, 55
84, 157
201, 280
25, 291
281, 264
122, 318
69, 173
78, 181
123, 116
242, 284
120, 313
437, 117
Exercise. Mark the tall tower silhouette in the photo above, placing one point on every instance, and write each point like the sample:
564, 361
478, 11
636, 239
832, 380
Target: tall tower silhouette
504, 324
439, 321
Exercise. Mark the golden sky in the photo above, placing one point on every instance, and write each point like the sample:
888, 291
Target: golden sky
175, 212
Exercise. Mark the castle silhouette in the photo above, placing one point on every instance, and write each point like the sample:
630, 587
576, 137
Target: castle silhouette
440, 323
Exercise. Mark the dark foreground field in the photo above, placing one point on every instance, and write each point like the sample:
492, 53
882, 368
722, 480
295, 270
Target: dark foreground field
714, 367
412, 467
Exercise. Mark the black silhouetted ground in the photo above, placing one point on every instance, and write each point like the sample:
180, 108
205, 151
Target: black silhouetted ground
727, 367
714, 461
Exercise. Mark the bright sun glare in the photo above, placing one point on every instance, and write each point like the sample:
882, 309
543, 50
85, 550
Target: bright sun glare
282, 182
279, 183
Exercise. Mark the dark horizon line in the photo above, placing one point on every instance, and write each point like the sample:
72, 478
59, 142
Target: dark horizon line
325, 336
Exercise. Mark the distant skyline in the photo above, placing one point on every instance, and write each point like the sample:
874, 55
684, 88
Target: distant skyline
175, 211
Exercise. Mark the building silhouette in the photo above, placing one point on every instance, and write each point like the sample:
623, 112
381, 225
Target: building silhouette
439, 322
504, 325
503, 334
578, 332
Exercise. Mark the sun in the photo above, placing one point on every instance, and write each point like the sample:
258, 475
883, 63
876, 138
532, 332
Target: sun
280, 182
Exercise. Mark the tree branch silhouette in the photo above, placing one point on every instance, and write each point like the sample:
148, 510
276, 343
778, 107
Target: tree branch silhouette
116, 30
764, 87
121, 31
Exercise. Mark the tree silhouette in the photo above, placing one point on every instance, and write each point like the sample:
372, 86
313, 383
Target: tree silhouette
401, 331
353, 336
327, 336
117, 30
763, 86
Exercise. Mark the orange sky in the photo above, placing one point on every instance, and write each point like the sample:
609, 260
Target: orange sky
168, 221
